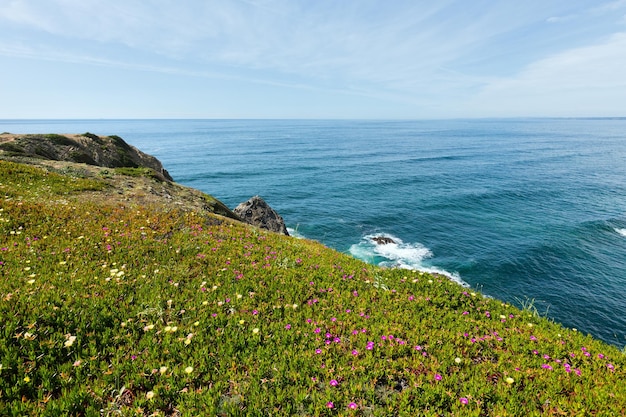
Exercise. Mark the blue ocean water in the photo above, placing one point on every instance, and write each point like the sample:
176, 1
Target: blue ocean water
525, 210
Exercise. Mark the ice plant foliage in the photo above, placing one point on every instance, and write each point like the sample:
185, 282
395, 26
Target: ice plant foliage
138, 310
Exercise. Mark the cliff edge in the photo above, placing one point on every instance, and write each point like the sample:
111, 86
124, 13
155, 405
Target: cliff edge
90, 149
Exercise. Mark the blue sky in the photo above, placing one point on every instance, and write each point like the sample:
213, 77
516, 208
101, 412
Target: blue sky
361, 59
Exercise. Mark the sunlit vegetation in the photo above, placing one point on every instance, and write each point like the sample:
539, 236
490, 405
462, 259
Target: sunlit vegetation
126, 310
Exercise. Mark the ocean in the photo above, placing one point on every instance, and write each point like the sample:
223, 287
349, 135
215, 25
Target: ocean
528, 211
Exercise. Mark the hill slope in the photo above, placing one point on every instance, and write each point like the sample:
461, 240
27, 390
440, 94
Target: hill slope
133, 306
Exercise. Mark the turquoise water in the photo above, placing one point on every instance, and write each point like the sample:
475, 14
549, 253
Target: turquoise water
520, 209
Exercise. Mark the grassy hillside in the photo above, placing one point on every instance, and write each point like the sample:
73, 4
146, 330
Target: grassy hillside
126, 309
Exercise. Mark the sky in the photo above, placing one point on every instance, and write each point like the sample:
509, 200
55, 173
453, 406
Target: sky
312, 59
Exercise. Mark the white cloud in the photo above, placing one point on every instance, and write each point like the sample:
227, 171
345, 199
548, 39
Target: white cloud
416, 53
582, 81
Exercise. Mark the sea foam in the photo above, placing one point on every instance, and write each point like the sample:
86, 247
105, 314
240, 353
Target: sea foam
621, 232
398, 255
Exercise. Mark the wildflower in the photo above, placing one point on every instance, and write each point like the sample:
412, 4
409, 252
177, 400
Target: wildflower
457, 360
70, 341
148, 327
288, 326
255, 330
355, 352
509, 380
352, 406
330, 404
150, 395
438, 377
26, 379
189, 369
610, 366
463, 400
242, 321
546, 366
162, 370
31, 281
333, 383
318, 351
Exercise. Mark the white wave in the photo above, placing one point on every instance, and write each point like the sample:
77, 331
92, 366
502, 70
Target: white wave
295, 233
399, 255
621, 231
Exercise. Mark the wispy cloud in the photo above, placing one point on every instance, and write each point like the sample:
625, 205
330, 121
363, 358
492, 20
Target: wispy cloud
580, 81
409, 52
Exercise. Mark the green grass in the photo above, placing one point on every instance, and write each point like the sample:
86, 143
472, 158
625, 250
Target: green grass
110, 310
136, 172
28, 182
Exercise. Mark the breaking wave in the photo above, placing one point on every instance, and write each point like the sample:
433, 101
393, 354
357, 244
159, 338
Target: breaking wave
397, 254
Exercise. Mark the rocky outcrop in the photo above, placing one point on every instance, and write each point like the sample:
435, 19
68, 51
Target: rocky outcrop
383, 240
104, 151
258, 213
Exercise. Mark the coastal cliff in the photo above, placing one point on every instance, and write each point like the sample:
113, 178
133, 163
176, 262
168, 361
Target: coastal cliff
121, 294
87, 148
135, 175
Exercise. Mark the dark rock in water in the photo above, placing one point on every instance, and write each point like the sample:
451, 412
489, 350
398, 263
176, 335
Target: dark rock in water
383, 240
258, 213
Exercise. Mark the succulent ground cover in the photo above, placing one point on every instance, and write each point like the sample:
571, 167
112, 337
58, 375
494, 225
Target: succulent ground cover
128, 309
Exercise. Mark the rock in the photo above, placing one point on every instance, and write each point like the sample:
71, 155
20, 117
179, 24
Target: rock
383, 240
104, 151
258, 213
